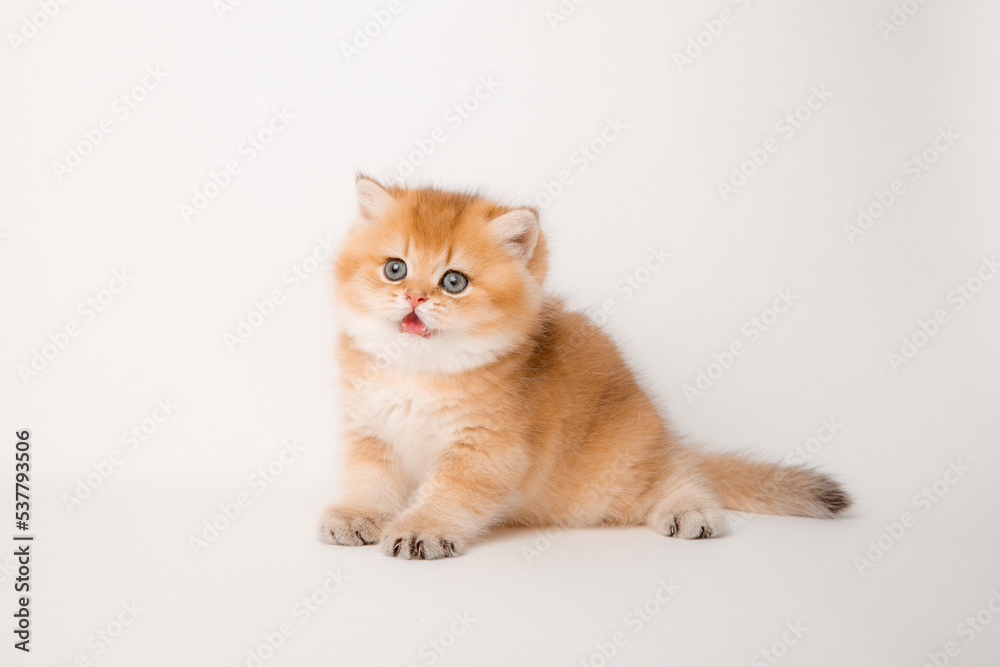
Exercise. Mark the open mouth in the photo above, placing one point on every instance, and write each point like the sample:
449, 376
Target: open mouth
414, 325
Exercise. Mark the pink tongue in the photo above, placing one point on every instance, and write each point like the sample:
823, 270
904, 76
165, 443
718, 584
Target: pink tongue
412, 324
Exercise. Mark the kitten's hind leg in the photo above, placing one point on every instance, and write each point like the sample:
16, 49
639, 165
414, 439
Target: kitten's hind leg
688, 508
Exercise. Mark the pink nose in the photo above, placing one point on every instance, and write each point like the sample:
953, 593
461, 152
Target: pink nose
415, 299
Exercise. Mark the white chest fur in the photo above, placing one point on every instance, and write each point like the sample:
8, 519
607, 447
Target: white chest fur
399, 409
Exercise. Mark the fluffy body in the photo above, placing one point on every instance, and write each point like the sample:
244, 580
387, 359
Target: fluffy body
505, 408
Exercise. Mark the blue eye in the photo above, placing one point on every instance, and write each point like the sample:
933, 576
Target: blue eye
395, 269
454, 282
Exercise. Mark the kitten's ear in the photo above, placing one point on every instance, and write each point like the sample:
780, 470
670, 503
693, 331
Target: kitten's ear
518, 230
373, 199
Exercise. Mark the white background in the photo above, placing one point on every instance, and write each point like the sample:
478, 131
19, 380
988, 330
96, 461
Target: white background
685, 129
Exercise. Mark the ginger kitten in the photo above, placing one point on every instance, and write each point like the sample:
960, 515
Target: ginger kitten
472, 399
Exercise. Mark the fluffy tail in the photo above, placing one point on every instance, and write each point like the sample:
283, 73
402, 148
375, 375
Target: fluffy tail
747, 485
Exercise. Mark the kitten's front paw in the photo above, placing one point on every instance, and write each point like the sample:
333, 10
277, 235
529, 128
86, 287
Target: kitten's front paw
692, 524
404, 540
350, 527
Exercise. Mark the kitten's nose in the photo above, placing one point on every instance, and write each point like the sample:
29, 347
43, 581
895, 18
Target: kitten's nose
415, 299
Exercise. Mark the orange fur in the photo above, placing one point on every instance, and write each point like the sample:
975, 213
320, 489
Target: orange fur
501, 407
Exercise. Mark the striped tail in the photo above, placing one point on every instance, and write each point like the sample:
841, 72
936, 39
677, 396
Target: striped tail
748, 485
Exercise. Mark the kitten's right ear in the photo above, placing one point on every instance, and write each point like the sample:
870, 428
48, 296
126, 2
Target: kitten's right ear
373, 199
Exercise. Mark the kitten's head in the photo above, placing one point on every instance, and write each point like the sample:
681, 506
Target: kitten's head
438, 281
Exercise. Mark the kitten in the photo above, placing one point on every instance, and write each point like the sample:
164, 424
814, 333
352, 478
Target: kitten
472, 399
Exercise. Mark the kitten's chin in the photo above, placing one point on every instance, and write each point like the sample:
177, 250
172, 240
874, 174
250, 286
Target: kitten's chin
438, 351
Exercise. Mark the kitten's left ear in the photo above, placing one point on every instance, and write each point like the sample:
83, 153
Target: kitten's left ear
518, 230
